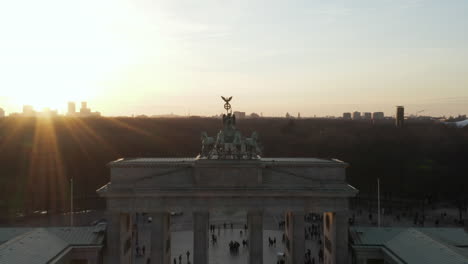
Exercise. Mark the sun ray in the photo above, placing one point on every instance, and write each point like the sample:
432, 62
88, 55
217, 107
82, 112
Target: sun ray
125, 125
82, 126
47, 182
13, 132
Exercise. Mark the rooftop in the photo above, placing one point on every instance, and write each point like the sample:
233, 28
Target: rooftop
187, 161
40, 245
416, 245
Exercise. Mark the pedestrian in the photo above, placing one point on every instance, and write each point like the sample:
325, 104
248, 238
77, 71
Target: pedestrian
240, 233
143, 249
274, 241
180, 259
175, 261
188, 255
138, 251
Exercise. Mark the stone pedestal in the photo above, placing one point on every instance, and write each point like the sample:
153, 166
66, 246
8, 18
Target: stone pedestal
160, 238
200, 237
295, 237
255, 224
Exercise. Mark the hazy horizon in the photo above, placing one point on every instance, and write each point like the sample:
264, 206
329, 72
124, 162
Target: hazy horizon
314, 57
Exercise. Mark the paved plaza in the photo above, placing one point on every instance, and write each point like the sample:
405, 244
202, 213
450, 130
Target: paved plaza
219, 253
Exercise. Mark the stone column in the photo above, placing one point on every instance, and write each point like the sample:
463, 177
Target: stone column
342, 233
160, 238
119, 240
335, 238
295, 243
255, 242
200, 237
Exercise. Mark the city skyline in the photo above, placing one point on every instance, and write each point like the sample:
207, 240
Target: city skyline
317, 58
71, 110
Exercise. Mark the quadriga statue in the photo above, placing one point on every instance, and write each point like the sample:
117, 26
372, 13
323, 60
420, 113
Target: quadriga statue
252, 147
207, 144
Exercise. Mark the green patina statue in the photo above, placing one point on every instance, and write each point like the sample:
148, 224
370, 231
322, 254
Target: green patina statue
229, 143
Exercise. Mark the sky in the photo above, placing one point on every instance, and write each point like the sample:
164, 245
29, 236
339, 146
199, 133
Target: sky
273, 56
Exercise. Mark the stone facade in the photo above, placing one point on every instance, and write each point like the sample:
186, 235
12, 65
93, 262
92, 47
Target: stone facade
197, 185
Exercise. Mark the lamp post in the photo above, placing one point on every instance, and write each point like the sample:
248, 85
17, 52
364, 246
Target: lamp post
71, 202
378, 202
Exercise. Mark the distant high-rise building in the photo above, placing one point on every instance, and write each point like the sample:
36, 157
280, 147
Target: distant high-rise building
28, 110
298, 115
356, 115
367, 115
71, 109
378, 115
400, 116
347, 115
288, 115
2, 112
85, 111
239, 114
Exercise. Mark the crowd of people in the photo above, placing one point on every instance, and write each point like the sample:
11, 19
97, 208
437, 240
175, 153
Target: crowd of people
312, 232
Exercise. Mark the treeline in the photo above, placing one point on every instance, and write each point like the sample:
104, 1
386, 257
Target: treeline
39, 156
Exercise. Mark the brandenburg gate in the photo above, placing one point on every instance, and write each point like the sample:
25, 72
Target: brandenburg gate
228, 173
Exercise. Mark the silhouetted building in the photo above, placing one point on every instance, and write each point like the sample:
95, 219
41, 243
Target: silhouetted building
254, 115
400, 116
367, 115
2, 112
347, 115
71, 109
288, 115
84, 110
28, 110
356, 115
298, 115
239, 114
378, 115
